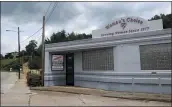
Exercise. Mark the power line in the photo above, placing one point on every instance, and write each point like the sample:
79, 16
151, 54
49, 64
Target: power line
48, 8
55, 4
32, 35
38, 29
39, 38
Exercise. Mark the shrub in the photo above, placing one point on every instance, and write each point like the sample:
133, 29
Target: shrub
33, 79
35, 63
26, 59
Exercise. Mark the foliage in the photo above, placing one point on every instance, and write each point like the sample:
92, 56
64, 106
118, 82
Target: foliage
30, 48
33, 79
62, 36
8, 56
26, 59
23, 53
167, 20
35, 63
6, 64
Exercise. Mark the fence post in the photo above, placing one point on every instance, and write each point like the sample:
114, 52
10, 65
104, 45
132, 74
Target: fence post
132, 85
160, 86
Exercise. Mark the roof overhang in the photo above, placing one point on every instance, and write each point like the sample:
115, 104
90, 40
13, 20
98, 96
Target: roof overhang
159, 35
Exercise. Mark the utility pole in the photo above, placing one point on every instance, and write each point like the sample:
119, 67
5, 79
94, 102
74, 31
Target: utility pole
19, 51
43, 50
18, 31
22, 61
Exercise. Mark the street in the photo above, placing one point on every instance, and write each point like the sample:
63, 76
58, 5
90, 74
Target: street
21, 95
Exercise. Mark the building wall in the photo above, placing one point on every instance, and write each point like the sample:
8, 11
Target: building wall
127, 58
53, 78
126, 76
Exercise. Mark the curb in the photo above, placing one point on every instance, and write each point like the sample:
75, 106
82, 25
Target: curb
139, 98
122, 95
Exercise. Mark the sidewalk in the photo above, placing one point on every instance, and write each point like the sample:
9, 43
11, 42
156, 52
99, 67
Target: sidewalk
18, 95
103, 93
8, 82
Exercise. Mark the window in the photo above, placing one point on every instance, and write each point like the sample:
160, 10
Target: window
101, 59
155, 57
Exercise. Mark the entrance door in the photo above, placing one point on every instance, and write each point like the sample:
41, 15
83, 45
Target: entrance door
70, 69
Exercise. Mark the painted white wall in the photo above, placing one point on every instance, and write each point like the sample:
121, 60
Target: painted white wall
78, 62
127, 58
147, 25
47, 62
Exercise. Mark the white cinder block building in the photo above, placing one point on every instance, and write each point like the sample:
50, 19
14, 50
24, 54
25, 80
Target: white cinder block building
128, 54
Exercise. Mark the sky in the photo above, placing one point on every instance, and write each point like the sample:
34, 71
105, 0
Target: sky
80, 17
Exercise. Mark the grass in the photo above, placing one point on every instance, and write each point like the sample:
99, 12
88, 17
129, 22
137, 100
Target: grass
6, 64
7, 61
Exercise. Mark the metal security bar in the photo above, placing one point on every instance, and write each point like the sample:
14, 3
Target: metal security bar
156, 56
99, 59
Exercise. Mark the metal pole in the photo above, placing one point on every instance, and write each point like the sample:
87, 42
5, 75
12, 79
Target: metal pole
43, 52
19, 50
160, 86
132, 85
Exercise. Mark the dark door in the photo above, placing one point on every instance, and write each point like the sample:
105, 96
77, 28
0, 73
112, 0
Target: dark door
70, 69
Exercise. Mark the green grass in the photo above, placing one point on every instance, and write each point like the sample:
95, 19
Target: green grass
6, 64
7, 61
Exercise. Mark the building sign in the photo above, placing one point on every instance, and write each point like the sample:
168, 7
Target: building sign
57, 62
123, 22
127, 25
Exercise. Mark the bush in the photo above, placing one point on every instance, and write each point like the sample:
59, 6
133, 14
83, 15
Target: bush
35, 63
33, 79
26, 59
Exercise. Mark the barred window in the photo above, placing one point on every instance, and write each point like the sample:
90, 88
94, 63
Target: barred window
101, 59
155, 57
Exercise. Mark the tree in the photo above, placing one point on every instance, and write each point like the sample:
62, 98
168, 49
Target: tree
30, 48
72, 36
8, 55
23, 53
39, 50
62, 36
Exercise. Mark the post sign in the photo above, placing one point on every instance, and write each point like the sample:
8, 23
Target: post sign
57, 62
126, 25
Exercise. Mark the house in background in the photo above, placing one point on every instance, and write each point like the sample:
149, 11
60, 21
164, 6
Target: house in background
128, 54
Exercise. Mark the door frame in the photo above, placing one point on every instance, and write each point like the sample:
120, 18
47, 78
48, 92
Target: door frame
70, 74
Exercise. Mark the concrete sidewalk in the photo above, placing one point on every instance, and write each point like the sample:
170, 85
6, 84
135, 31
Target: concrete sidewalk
8, 81
18, 95
103, 93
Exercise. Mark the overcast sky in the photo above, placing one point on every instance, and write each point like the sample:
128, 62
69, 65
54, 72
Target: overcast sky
80, 17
